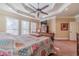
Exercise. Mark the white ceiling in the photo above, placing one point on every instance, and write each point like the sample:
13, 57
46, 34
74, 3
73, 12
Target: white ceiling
54, 9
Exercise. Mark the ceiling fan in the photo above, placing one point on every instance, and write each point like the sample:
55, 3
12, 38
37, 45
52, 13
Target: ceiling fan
39, 10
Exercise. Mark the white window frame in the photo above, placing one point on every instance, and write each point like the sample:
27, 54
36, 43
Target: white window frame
25, 27
33, 27
10, 30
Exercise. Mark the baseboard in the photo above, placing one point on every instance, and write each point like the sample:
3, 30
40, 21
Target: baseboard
65, 39
61, 38
74, 40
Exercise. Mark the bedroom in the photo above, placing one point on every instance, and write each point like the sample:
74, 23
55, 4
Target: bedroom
27, 29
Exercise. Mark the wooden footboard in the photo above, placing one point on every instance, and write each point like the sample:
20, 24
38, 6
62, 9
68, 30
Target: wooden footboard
78, 44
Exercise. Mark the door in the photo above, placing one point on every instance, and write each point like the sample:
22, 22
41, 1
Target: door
73, 29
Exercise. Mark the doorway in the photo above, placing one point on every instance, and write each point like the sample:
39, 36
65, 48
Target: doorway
74, 29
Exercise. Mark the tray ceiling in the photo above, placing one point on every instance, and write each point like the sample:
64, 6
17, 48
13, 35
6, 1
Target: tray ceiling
53, 9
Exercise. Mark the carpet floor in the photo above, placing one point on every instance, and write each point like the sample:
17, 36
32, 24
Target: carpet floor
66, 48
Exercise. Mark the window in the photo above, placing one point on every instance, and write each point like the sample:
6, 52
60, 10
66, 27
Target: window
43, 28
12, 26
33, 27
25, 27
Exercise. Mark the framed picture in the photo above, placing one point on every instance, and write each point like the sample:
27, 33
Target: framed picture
64, 26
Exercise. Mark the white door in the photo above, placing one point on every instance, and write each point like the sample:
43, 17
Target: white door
73, 29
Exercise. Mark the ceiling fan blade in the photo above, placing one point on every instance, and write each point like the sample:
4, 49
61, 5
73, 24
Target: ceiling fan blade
32, 6
27, 8
44, 7
44, 12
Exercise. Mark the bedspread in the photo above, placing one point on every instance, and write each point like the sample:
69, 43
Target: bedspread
25, 45
36, 46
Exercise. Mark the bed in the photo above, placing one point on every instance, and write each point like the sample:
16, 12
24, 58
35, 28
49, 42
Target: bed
25, 45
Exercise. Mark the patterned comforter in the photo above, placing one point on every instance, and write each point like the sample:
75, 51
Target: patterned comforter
25, 45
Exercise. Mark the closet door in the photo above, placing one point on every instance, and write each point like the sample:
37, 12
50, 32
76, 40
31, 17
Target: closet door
73, 29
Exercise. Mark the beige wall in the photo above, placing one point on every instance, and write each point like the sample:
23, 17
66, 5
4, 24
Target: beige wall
55, 26
77, 20
77, 27
59, 33
62, 34
52, 25
2, 23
